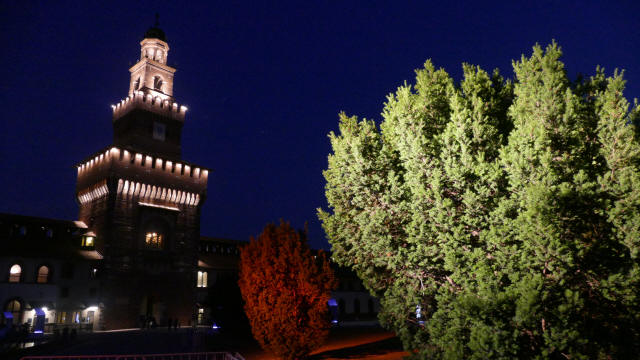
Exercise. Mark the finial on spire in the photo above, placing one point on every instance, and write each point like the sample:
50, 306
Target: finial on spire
155, 32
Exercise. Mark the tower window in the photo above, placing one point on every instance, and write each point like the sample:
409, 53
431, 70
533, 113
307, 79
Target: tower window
153, 240
157, 83
136, 85
88, 241
14, 273
200, 316
43, 275
159, 131
202, 279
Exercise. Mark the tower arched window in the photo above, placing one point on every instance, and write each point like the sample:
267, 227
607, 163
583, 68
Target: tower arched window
15, 273
43, 274
136, 85
157, 83
157, 233
153, 240
202, 279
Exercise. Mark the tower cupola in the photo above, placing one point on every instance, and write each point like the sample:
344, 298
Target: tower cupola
149, 119
151, 74
155, 32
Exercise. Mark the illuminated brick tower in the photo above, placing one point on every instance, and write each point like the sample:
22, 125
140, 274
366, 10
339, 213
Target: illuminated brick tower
142, 201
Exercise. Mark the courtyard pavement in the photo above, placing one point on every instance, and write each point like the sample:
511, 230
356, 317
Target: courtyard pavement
371, 343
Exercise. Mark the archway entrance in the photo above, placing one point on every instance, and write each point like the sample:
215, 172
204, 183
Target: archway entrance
152, 312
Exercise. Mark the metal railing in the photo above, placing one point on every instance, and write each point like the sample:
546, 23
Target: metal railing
181, 356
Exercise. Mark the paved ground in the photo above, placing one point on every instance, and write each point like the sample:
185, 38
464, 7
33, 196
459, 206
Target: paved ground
371, 343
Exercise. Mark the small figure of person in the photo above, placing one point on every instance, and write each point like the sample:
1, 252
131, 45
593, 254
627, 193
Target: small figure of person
175, 324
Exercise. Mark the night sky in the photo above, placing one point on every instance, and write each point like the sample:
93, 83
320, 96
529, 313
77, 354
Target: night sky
264, 83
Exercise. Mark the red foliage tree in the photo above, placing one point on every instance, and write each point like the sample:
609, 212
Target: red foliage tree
285, 290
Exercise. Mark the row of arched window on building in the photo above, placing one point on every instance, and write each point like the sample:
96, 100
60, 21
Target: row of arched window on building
16, 276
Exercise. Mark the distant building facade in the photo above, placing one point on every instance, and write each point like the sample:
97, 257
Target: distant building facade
48, 273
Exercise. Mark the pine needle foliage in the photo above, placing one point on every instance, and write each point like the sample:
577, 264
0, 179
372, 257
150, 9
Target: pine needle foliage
285, 288
507, 211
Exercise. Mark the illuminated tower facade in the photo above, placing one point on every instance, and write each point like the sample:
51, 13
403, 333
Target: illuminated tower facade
142, 201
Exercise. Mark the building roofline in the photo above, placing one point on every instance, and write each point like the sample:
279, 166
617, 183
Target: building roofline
37, 219
134, 151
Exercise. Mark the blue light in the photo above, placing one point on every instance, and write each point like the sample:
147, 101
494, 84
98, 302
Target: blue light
332, 302
215, 326
334, 321
38, 332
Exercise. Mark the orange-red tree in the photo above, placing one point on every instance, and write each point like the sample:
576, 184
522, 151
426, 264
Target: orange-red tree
285, 289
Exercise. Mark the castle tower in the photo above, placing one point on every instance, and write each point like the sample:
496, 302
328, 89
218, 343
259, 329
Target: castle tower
142, 201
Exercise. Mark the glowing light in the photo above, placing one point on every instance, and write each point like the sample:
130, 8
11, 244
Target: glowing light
92, 308
88, 241
15, 269
38, 332
159, 206
80, 224
44, 308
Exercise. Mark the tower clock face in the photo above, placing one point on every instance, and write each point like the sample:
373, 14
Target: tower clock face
159, 131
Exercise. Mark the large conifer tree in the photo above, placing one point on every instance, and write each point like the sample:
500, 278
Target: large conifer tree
508, 213
286, 290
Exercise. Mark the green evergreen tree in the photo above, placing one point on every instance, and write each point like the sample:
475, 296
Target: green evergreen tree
508, 213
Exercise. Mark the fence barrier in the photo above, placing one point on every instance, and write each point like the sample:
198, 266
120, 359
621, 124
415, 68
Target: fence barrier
182, 356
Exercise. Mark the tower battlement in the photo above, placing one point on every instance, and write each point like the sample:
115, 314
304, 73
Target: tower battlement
157, 104
141, 167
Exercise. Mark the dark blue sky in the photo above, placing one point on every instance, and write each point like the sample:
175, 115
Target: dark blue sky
264, 83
